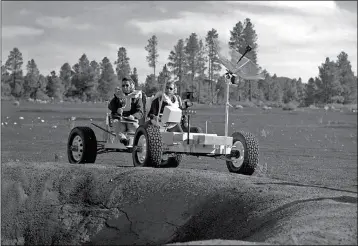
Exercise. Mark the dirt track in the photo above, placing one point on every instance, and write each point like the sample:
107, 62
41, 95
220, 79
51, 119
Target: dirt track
55, 203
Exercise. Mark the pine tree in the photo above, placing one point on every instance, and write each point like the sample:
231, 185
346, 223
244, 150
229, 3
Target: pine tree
13, 65
162, 78
41, 92
134, 77
236, 38
31, 80
213, 49
320, 92
290, 91
191, 51
123, 68
277, 92
346, 78
150, 88
107, 81
65, 76
94, 76
55, 87
153, 55
75, 77
86, 83
328, 73
81, 79
300, 91
311, 92
202, 59
265, 86
5, 80
177, 64
220, 89
249, 37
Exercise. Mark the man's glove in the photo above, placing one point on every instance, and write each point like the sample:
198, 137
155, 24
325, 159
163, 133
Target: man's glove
154, 119
167, 100
120, 111
130, 117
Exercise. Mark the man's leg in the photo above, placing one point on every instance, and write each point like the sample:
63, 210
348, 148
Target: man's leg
176, 128
120, 129
132, 127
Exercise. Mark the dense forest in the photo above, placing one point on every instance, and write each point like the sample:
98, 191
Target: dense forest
192, 63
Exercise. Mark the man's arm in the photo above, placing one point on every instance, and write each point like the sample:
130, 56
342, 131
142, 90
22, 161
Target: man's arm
180, 101
138, 110
113, 105
154, 107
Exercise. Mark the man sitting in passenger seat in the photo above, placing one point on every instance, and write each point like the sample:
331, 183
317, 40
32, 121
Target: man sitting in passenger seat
169, 99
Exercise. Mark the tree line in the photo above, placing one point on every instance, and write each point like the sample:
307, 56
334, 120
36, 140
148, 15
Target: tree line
192, 63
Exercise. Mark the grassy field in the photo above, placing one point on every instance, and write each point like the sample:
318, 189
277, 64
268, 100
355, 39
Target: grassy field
307, 146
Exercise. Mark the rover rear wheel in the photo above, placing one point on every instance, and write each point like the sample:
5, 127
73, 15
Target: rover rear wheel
82, 145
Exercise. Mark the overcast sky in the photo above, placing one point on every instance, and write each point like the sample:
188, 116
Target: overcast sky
294, 38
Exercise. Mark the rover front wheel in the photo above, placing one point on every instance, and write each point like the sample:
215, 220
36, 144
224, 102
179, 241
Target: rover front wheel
244, 156
147, 146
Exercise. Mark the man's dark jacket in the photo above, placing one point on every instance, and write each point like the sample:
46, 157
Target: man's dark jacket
136, 106
154, 108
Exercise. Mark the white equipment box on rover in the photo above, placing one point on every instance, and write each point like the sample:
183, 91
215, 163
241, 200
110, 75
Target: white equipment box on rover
171, 114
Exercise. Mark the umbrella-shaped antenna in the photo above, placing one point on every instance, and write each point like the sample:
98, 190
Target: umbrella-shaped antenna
238, 64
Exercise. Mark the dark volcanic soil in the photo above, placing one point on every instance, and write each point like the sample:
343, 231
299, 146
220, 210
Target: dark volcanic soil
56, 203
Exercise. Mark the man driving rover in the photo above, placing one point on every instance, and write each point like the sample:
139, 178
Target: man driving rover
127, 103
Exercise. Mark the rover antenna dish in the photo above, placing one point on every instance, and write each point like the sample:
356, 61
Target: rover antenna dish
238, 64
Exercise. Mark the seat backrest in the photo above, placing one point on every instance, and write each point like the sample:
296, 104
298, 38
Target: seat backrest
144, 102
180, 101
149, 101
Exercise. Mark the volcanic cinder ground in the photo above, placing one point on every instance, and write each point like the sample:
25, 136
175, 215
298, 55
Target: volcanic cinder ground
304, 192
